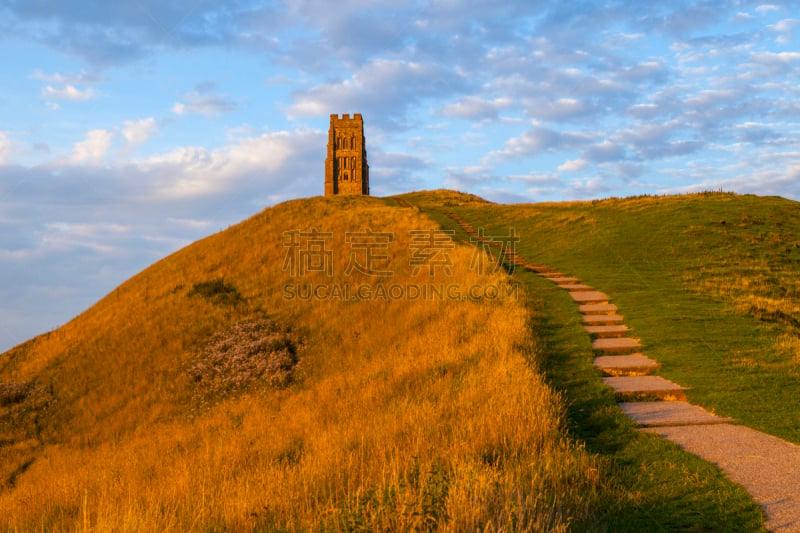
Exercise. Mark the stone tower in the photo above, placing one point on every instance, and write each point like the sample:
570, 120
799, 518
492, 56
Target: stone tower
346, 168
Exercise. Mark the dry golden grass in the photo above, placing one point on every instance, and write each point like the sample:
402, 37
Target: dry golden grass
405, 415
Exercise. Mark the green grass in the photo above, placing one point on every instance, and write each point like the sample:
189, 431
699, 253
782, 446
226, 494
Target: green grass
708, 282
652, 485
649, 483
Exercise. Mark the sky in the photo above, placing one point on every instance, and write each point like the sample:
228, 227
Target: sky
131, 129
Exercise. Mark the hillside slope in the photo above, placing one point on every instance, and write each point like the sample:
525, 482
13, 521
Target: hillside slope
710, 283
153, 410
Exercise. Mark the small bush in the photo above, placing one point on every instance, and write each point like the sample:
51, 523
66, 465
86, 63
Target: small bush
246, 353
13, 392
21, 405
217, 292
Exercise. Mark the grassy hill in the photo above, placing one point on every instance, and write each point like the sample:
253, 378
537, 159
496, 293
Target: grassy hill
710, 283
213, 392
150, 412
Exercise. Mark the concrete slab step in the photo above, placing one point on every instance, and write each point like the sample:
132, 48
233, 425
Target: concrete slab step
660, 414
565, 280
626, 365
607, 332
620, 346
589, 297
552, 274
539, 269
576, 287
602, 320
593, 309
631, 388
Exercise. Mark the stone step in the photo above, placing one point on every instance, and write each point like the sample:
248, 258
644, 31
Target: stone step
631, 388
601, 320
576, 287
552, 274
598, 309
587, 297
620, 346
539, 269
625, 365
562, 281
607, 332
660, 414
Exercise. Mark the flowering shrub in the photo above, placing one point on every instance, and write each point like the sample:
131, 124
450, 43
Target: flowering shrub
244, 354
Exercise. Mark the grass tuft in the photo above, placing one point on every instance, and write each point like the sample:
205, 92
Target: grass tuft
216, 291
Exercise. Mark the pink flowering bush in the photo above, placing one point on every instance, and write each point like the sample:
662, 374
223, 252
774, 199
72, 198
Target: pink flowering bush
245, 354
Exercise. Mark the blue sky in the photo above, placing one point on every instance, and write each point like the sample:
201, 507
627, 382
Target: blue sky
130, 129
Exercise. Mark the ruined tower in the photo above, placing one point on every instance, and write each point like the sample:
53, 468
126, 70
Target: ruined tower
346, 168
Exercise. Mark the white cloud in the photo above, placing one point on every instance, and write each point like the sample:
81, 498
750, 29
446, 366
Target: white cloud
573, 165
556, 109
203, 102
136, 132
785, 25
82, 77
540, 140
469, 177
537, 178
473, 107
766, 8
383, 89
588, 188
643, 110
777, 57
741, 16
785, 30
93, 148
605, 151
195, 172
67, 92
5, 146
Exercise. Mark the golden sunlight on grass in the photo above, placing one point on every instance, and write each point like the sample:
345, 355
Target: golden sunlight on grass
401, 414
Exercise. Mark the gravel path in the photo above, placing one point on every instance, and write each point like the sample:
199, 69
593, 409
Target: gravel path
768, 467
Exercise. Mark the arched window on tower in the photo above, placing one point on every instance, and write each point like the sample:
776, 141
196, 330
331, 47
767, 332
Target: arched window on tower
353, 162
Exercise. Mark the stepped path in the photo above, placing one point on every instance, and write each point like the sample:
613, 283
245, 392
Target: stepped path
767, 467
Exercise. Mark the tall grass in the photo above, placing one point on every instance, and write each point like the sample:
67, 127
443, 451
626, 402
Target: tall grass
403, 415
